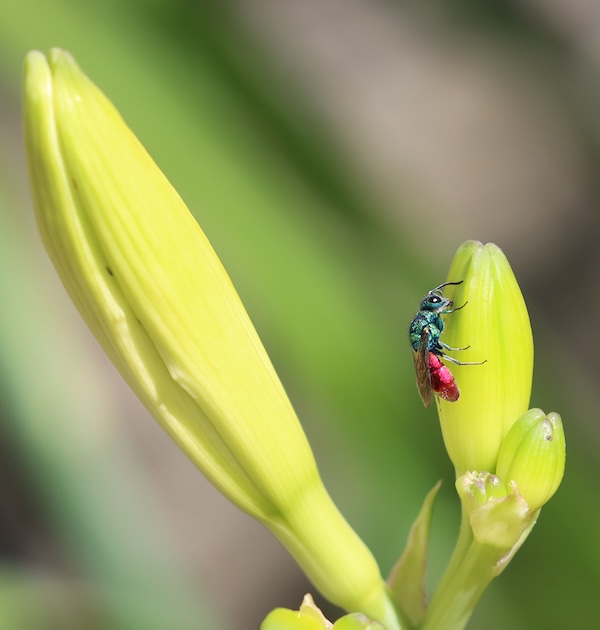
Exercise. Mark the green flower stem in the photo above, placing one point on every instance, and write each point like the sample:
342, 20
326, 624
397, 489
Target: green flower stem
453, 605
461, 548
455, 600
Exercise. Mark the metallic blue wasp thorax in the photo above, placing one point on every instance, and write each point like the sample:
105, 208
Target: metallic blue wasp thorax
434, 324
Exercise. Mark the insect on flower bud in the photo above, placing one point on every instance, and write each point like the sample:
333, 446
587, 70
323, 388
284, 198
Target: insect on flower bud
494, 326
532, 455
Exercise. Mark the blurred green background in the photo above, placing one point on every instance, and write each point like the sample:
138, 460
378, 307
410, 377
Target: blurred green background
336, 154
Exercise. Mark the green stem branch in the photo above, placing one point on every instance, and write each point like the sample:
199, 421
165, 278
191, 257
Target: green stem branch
460, 590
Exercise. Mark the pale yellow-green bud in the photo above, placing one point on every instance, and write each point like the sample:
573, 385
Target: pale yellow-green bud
533, 456
497, 513
286, 619
356, 621
309, 617
495, 324
485, 486
152, 290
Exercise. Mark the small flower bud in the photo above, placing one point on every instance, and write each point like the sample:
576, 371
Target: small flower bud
497, 513
309, 617
486, 486
356, 621
532, 455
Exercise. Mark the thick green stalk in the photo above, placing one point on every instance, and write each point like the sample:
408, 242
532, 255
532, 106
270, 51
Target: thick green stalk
453, 605
461, 548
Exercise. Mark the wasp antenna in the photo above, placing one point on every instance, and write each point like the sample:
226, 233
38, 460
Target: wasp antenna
445, 284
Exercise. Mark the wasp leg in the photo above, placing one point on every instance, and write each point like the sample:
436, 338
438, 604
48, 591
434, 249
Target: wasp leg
446, 347
457, 362
452, 310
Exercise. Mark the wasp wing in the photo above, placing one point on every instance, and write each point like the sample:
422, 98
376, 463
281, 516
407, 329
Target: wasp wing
421, 358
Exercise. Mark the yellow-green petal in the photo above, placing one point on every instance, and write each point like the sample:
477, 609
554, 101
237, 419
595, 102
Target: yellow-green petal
495, 324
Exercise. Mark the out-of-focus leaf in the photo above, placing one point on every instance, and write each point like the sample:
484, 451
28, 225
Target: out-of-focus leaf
407, 578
